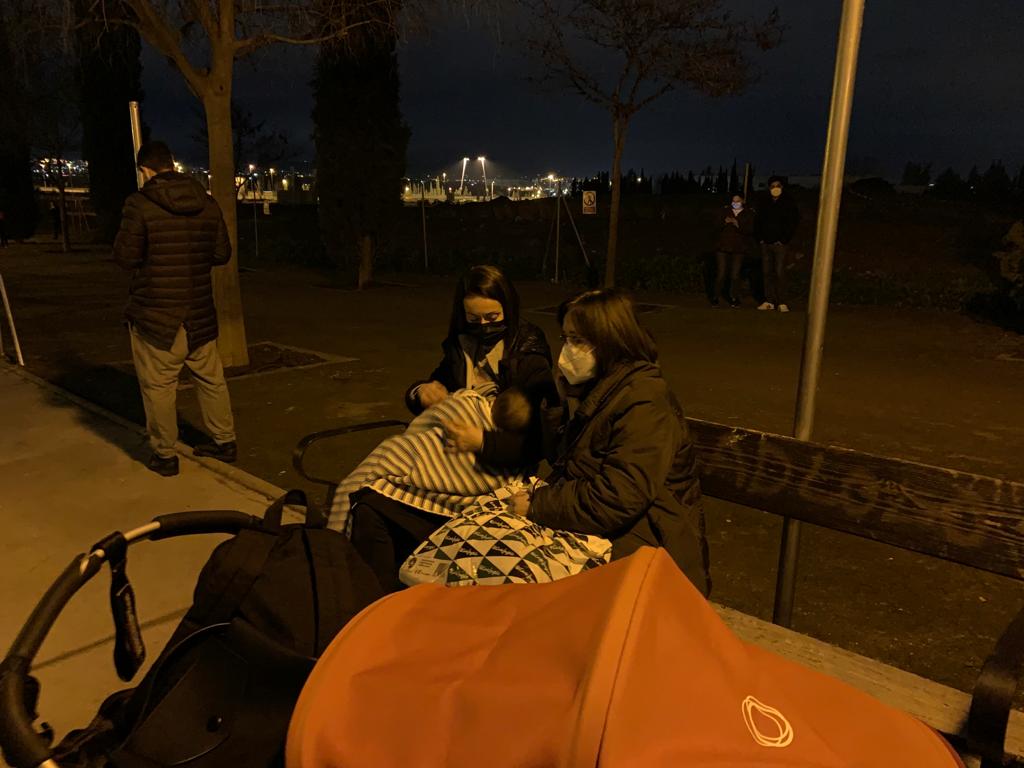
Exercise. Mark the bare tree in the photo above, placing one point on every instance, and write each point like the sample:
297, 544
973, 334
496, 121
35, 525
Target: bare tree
203, 39
624, 54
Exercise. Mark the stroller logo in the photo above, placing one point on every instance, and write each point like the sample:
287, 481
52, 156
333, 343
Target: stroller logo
767, 725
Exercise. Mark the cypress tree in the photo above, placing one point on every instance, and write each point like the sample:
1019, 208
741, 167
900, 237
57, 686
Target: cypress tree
361, 143
17, 196
110, 76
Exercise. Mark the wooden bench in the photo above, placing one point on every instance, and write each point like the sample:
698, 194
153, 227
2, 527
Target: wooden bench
960, 517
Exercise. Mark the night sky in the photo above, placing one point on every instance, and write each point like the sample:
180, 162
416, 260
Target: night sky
939, 81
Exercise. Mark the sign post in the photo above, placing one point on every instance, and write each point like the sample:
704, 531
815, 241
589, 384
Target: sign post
133, 114
423, 215
558, 224
589, 202
10, 324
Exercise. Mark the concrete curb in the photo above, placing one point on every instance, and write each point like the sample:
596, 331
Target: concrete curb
228, 472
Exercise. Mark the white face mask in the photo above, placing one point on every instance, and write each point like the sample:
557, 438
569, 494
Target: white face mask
577, 363
776, 191
737, 207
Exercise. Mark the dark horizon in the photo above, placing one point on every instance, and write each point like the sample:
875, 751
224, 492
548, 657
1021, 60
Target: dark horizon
931, 88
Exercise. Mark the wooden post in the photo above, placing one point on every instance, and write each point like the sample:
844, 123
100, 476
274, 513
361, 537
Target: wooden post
821, 278
423, 216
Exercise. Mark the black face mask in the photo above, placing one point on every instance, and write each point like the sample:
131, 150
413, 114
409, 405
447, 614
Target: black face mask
488, 334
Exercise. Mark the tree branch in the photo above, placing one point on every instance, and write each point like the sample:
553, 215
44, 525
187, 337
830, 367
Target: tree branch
201, 8
254, 43
157, 30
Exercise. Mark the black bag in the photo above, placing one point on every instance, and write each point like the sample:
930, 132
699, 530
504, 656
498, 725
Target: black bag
266, 605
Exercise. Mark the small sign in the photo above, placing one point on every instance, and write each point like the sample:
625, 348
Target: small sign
589, 201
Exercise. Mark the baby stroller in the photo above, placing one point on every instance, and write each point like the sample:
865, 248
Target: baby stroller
266, 604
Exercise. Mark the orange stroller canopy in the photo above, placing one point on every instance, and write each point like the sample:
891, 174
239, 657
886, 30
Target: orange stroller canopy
624, 665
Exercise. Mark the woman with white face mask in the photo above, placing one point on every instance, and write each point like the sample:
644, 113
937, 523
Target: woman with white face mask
623, 464
735, 243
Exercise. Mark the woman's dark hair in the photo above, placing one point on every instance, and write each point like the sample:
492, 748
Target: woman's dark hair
490, 283
606, 318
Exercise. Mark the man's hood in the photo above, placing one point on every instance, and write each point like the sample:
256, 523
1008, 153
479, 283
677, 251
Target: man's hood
175, 192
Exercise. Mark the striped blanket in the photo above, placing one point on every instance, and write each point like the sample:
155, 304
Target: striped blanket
413, 467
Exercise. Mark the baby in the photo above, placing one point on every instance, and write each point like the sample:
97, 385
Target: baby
510, 411
418, 467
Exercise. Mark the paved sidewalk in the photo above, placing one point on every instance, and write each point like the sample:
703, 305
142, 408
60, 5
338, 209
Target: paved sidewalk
70, 474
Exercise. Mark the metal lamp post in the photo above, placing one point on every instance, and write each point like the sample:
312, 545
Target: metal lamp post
821, 278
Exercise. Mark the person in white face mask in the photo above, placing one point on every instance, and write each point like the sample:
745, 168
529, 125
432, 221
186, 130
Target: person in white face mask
735, 243
623, 464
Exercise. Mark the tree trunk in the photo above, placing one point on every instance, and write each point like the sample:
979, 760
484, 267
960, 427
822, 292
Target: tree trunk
366, 248
226, 289
619, 137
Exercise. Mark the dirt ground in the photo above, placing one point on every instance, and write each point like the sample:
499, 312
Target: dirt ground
928, 386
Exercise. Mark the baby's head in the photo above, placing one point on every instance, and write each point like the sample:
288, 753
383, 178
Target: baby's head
511, 411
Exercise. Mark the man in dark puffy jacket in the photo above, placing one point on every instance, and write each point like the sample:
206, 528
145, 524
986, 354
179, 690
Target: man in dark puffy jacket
172, 235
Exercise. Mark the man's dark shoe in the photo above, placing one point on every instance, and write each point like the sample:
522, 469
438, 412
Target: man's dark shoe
226, 452
168, 467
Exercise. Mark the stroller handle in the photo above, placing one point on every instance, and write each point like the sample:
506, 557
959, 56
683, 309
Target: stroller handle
22, 746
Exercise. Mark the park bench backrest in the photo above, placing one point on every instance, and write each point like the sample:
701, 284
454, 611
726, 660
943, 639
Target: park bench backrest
957, 516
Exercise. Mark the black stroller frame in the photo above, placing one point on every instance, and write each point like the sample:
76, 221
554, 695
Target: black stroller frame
23, 745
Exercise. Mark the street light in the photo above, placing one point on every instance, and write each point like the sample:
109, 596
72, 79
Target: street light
462, 181
483, 170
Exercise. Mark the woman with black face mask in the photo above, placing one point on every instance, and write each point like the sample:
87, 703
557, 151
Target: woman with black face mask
489, 344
